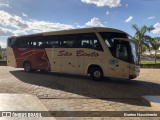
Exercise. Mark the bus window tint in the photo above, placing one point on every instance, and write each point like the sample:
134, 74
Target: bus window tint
35, 42
24, 42
13, 42
121, 52
90, 41
68, 41
83, 40
40, 43
108, 37
51, 41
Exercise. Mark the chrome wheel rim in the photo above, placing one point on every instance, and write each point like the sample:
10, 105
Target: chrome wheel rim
97, 74
27, 67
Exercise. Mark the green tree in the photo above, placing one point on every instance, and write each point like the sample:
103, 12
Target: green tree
0, 55
144, 48
155, 45
141, 36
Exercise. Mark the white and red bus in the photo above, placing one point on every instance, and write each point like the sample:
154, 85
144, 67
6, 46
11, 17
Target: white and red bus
96, 52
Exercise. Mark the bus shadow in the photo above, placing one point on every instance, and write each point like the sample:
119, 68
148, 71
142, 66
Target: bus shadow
122, 91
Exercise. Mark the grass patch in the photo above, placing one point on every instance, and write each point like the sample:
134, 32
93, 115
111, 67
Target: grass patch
149, 64
3, 63
2, 60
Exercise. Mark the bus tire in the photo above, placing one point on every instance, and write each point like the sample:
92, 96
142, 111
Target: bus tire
27, 67
96, 73
43, 71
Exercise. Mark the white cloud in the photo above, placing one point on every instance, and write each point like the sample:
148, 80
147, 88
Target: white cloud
22, 26
41, 26
15, 25
24, 15
152, 17
94, 22
5, 32
4, 5
7, 19
107, 13
157, 28
129, 19
101, 3
3, 45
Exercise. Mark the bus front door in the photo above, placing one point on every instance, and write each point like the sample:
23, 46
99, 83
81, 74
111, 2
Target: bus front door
122, 69
122, 63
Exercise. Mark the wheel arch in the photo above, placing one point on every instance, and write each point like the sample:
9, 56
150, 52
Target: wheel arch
26, 61
92, 66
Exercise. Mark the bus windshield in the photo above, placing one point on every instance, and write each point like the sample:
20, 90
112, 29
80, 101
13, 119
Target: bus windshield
134, 53
119, 48
109, 36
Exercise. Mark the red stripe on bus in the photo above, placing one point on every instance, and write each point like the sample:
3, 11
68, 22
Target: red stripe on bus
37, 57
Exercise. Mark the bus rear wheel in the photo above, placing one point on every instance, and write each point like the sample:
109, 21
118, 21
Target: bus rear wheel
96, 73
43, 71
27, 67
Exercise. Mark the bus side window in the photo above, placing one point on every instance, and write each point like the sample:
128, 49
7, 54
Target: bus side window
54, 44
9, 42
51, 41
121, 52
24, 42
90, 41
39, 44
36, 42
65, 45
86, 44
98, 46
13, 42
68, 41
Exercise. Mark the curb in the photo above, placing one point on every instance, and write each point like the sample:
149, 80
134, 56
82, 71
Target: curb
152, 101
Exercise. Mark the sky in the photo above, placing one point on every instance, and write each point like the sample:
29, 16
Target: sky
20, 17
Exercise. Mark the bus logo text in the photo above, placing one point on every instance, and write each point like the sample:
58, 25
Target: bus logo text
78, 53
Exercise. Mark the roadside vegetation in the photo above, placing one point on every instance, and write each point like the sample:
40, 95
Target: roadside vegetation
3, 61
147, 43
149, 64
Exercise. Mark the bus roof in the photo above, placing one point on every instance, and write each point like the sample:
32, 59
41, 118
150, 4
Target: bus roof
74, 31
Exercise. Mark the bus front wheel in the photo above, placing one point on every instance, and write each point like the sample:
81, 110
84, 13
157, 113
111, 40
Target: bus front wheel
96, 73
27, 67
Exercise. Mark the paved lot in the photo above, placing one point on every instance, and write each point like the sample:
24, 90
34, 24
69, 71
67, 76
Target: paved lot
61, 92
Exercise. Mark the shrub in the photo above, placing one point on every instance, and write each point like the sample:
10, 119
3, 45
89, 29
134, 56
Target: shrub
150, 65
3, 63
